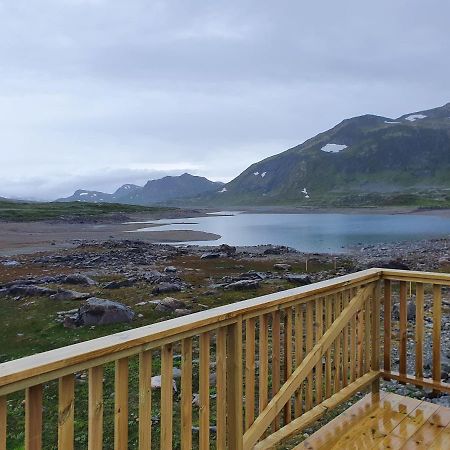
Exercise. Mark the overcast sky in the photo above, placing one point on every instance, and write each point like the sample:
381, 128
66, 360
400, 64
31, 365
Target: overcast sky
97, 93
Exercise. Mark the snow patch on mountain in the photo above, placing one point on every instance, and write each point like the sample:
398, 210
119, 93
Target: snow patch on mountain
414, 117
333, 148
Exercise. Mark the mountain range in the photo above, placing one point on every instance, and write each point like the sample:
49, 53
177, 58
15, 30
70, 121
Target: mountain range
163, 190
367, 160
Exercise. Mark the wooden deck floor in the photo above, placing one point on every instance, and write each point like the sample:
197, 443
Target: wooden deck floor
390, 421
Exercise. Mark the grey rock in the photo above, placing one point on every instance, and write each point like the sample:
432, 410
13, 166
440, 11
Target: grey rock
210, 255
67, 294
170, 269
165, 288
227, 249
410, 312
242, 285
31, 291
99, 311
299, 279
179, 312
282, 266
120, 283
168, 304
156, 381
78, 278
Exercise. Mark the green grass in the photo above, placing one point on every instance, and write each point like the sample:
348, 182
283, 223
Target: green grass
29, 212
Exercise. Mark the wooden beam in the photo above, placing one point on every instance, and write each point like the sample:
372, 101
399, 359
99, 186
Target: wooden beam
3, 417
387, 324
121, 404
33, 418
166, 396
66, 412
420, 326
95, 408
204, 391
145, 400
186, 394
250, 367
221, 390
317, 412
429, 383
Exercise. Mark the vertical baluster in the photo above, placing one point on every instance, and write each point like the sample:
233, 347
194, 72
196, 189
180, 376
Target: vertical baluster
65, 412
204, 391
145, 400
249, 372
263, 361
319, 366
166, 396
403, 327
387, 325
234, 386
345, 300
437, 316
121, 404
33, 418
276, 360
375, 362
328, 360
95, 408
337, 345
3, 415
419, 329
221, 399
298, 355
309, 346
367, 334
186, 394
287, 358
360, 342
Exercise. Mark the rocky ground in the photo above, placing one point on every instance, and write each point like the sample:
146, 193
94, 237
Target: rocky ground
98, 287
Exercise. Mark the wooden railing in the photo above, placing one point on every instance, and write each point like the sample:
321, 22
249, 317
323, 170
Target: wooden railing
281, 362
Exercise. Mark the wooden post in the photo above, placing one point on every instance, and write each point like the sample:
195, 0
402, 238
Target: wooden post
298, 355
263, 361
221, 400
249, 372
276, 360
33, 418
204, 391
437, 319
145, 400
186, 394
403, 328
419, 329
387, 325
287, 358
121, 405
375, 362
166, 396
234, 386
95, 408
3, 414
66, 412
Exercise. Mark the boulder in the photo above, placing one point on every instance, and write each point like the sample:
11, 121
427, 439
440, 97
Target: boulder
242, 285
78, 278
120, 283
210, 255
168, 304
276, 250
99, 311
301, 280
227, 249
155, 383
410, 311
165, 288
170, 269
179, 312
31, 291
282, 266
67, 294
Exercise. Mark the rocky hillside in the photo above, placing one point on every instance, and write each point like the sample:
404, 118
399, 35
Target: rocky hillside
366, 160
163, 190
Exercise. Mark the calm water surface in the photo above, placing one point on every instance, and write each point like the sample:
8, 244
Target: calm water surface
310, 232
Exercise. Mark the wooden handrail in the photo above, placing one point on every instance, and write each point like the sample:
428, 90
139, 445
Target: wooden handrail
109, 348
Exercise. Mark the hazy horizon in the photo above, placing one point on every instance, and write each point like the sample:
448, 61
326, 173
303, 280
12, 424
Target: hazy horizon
99, 93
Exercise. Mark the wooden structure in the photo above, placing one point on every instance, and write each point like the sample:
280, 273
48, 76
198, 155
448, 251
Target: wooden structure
282, 362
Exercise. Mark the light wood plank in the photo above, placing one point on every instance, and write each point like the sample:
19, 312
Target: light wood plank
287, 359
276, 360
438, 386
420, 325
33, 418
145, 400
3, 417
121, 404
186, 394
387, 324
222, 387
263, 362
337, 347
353, 348
375, 355
345, 334
166, 396
298, 406
437, 324
309, 345
204, 391
95, 408
403, 328
234, 387
66, 412
319, 366
250, 350
367, 334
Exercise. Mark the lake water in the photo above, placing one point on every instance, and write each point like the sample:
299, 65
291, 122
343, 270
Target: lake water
310, 232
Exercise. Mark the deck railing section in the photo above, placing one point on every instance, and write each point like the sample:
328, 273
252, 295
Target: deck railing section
281, 362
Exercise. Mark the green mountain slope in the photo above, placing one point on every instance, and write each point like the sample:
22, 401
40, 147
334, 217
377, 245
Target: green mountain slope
367, 160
